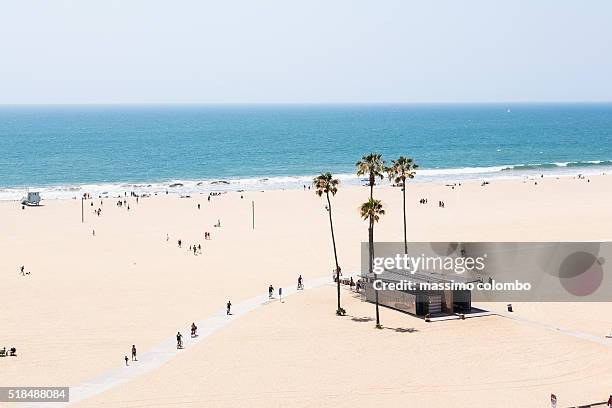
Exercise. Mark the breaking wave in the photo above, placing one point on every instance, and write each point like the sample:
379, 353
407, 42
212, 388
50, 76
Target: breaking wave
192, 187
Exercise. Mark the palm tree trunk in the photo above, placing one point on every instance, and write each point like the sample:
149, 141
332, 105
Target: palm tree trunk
371, 239
405, 239
370, 250
331, 225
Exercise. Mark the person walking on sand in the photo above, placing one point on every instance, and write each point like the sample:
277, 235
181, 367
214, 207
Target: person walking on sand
280, 294
22, 270
134, 353
300, 285
194, 330
126, 361
179, 243
229, 307
270, 291
179, 340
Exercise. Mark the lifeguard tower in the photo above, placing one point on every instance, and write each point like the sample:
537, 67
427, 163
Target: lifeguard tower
32, 198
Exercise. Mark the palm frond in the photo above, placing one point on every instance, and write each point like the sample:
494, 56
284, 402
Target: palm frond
401, 169
325, 183
372, 165
372, 209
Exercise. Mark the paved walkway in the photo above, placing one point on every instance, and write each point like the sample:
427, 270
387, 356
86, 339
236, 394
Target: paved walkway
572, 333
165, 351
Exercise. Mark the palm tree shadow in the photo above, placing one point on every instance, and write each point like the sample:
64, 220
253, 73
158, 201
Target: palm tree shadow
361, 319
402, 329
366, 319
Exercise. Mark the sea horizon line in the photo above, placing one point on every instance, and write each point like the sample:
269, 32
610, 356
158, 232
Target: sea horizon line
311, 103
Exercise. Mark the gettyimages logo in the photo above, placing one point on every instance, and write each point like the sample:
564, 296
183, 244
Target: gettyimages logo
412, 264
495, 271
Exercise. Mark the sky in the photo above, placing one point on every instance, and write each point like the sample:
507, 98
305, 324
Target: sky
304, 51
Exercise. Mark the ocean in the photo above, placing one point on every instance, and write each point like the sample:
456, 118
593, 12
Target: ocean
63, 151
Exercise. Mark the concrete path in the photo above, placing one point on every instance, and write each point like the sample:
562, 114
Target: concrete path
165, 351
573, 333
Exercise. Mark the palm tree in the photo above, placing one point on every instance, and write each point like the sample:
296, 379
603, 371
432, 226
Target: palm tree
372, 165
372, 210
326, 184
401, 169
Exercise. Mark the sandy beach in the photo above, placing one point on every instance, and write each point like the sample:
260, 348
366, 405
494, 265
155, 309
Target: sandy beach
303, 204
89, 297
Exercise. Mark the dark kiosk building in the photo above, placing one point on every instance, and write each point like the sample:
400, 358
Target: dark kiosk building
418, 301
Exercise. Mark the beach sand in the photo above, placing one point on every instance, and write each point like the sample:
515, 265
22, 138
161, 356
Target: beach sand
89, 298
303, 357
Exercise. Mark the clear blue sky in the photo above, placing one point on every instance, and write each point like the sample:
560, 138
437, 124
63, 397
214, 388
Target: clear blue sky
313, 51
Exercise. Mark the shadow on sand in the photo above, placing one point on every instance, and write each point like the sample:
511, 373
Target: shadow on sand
367, 319
361, 319
402, 329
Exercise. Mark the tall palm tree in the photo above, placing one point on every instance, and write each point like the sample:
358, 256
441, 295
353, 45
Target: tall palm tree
372, 210
374, 166
401, 169
326, 184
